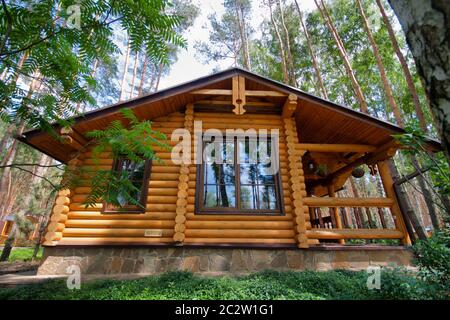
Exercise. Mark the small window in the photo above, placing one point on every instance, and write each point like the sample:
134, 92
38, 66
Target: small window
138, 174
242, 183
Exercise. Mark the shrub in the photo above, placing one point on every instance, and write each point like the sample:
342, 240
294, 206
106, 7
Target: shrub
432, 256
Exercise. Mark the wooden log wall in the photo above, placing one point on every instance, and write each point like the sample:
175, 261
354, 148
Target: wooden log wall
60, 210
183, 186
170, 209
251, 229
300, 211
89, 226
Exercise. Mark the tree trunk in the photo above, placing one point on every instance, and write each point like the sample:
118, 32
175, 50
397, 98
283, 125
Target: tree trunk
282, 49
406, 205
8, 245
290, 60
405, 68
243, 34
125, 72
394, 106
425, 23
356, 210
134, 74
386, 85
427, 195
144, 69
160, 70
343, 53
312, 54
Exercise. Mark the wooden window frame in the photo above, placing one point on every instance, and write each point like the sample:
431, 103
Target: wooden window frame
199, 194
131, 209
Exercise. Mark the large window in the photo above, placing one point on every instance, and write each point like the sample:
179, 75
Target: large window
138, 175
243, 179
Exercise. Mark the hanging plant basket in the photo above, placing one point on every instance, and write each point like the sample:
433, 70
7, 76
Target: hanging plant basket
358, 172
322, 170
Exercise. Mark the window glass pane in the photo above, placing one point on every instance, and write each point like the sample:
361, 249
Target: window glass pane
133, 170
249, 173
247, 151
228, 152
265, 174
210, 199
267, 197
248, 197
227, 174
212, 173
227, 196
209, 151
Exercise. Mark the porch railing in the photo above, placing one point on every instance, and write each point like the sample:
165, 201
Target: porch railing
328, 228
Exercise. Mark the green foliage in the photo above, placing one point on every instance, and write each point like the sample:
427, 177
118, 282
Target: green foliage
224, 40
38, 43
23, 254
433, 260
133, 141
415, 139
268, 285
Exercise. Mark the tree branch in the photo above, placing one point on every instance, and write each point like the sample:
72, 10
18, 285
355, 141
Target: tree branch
18, 165
4, 54
34, 174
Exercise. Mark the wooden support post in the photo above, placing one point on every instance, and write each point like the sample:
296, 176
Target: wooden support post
337, 217
388, 184
183, 186
289, 106
298, 188
238, 94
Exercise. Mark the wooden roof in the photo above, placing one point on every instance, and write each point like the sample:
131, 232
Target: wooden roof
318, 120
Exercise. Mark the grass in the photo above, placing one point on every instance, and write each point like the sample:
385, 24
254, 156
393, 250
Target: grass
23, 254
268, 285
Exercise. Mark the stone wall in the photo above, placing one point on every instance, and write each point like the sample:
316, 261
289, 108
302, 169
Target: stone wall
145, 260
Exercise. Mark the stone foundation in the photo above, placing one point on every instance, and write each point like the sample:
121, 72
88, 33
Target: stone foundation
145, 260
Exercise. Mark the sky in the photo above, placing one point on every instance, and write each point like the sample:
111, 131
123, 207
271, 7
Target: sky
188, 66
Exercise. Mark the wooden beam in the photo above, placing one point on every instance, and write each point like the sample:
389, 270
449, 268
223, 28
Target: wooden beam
228, 103
347, 202
250, 93
68, 140
289, 106
383, 152
354, 234
264, 93
322, 147
72, 138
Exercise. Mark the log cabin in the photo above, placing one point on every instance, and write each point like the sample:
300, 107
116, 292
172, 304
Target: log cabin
234, 217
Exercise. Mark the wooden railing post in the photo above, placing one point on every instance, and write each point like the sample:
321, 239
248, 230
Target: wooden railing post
337, 217
388, 184
183, 186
